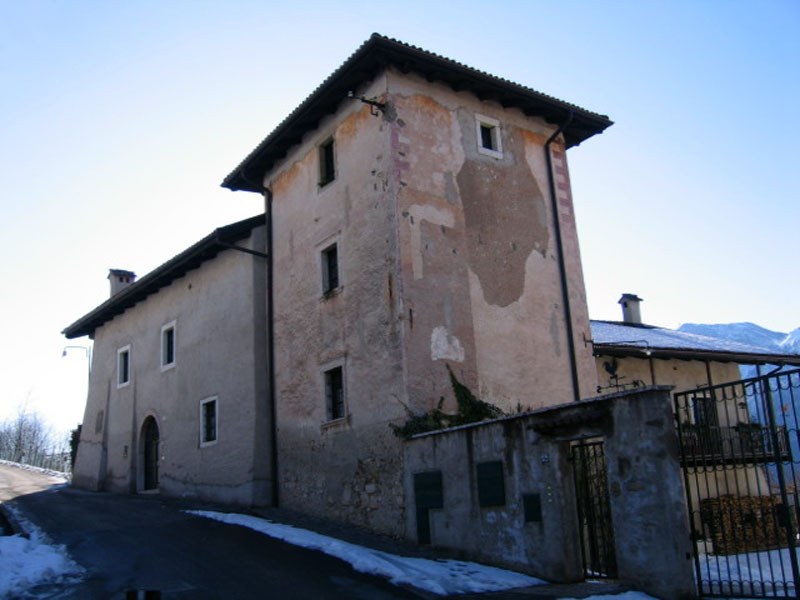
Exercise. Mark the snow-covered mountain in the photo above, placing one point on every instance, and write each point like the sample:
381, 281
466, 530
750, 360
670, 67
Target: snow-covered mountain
791, 344
749, 333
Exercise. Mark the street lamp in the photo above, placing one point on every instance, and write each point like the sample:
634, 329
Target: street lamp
88, 355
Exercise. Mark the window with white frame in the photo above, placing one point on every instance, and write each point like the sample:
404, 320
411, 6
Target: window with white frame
334, 393
124, 366
487, 131
208, 421
168, 346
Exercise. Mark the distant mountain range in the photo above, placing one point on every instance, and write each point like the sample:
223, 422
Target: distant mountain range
749, 333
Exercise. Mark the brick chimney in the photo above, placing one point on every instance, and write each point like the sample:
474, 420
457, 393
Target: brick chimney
120, 279
631, 313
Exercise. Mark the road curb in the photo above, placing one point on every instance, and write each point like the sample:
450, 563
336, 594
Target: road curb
7, 517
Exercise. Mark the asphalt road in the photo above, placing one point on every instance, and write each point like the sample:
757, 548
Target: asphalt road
128, 543
19, 482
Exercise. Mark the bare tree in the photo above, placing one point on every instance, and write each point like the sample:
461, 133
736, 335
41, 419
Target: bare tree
28, 439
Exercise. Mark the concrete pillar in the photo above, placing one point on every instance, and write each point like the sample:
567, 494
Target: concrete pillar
651, 527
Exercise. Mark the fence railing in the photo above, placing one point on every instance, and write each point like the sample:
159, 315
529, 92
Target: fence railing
746, 442
740, 453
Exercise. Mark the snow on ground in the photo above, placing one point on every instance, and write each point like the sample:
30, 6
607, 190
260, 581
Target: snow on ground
751, 573
27, 563
57, 474
441, 577
622, 596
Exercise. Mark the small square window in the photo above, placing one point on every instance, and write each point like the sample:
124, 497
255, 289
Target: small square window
168, 346
327, 170
334, 393
208, 421
123, 366
488, 134
330, 269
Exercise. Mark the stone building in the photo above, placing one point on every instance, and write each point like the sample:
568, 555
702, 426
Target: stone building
418, 215
175, 401
726, 448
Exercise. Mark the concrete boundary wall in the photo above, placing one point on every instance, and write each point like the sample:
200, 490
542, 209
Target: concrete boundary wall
506, 493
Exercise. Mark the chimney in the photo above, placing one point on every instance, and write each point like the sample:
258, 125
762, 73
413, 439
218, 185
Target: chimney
120, 279
631, 312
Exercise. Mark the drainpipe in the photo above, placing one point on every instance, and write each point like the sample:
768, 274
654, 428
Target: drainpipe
271, 352
267, 193
562, 268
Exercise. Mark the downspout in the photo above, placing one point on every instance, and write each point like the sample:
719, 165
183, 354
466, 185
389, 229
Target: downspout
271, 352
267, 193
562, 267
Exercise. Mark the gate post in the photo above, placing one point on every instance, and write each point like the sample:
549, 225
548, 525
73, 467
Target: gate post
789, 527
651, 527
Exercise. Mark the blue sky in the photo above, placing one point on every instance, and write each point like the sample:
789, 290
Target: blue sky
119, 121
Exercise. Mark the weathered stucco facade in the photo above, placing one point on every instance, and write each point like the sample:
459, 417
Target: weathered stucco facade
531, 525
216, 312
446, 256
418, 215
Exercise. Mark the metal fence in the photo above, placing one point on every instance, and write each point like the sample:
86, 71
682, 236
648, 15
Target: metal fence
740, 453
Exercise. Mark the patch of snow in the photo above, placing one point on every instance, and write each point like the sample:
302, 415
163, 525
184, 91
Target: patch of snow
622, 596
754, 573
791, 343
441, 577
606, 332
50, 472
29, 562
745, 333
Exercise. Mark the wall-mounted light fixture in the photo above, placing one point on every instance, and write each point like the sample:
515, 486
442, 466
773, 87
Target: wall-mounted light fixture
374, 105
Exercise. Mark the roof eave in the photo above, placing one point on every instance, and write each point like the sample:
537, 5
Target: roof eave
191, 258
744, 358
374, 56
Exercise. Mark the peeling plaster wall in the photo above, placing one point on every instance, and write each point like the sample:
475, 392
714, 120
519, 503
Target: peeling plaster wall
445, 256
218, 326
500, 535
350, 468
479, 271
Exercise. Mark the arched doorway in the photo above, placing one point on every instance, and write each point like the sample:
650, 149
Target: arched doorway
150, 454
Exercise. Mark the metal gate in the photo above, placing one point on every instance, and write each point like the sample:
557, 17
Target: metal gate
594, 511
739, 451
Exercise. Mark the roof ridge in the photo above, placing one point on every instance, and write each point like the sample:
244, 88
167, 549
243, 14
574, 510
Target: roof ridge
376, 54
482, 72
162, 275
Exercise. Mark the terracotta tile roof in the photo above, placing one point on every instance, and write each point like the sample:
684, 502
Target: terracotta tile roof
162, 276
371, 58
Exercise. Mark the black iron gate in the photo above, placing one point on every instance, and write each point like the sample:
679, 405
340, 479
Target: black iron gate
594, 511
740, 452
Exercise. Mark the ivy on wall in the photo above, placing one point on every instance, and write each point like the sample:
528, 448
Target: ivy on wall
471, 409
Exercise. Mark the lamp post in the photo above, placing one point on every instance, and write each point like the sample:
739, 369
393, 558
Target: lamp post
88, 352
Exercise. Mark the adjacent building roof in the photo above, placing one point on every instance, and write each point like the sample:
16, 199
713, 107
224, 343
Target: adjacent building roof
375, 55
191, 258
614, 338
